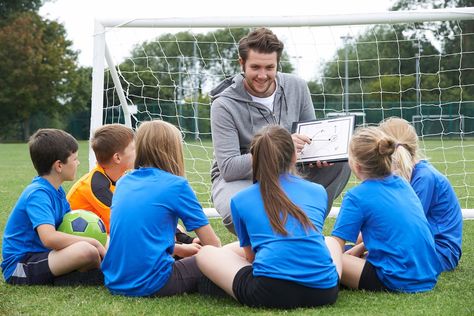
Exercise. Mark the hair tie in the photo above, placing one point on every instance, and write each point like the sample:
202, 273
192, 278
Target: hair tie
398, 145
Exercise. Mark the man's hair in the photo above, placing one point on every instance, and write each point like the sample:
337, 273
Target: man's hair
261, 40
272, 152
159, 145
110, 139
49, 145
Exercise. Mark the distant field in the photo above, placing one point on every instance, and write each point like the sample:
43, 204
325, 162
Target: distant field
451, 157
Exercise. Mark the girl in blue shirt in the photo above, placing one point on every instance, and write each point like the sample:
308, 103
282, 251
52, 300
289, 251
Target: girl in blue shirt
285, 261
385, 209
145, 209
440, 203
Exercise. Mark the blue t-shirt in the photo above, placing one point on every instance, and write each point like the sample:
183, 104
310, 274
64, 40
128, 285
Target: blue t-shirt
442, 210
301, 257
145, 209
395, 231
40, 203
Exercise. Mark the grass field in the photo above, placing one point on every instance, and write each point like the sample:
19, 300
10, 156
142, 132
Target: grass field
453, 294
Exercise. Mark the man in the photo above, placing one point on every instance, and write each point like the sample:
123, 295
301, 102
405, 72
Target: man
244, 104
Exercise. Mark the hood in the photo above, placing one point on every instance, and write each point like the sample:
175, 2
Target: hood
236, 89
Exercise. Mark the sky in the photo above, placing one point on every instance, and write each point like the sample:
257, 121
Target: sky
78, 16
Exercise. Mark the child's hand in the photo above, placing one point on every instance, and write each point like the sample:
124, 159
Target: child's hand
98, 245
197, 241
357, 251
186, 250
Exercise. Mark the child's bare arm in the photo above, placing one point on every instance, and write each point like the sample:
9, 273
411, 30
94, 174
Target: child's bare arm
53, 239
186, 250
207, 236
341, 242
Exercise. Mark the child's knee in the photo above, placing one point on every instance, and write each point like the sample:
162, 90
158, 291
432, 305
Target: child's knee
87, 253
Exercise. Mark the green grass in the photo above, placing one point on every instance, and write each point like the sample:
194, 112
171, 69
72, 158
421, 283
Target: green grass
453, 294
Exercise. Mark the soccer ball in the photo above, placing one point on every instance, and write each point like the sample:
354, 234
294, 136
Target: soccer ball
85, 224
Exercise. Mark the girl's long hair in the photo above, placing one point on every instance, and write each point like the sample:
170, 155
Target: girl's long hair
372, 149
272, 152
158, 144
407, 152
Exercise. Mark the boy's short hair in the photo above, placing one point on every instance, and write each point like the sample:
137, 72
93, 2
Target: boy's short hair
49, 145
110, 139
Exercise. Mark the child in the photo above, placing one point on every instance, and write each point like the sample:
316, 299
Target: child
33, 251
285, 262
145, 210
385, 209
437, 196
114, 149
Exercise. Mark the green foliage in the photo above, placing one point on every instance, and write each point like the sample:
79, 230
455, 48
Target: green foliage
382, 68
175, 66
9, 8
454, 37
37, 69
78, 106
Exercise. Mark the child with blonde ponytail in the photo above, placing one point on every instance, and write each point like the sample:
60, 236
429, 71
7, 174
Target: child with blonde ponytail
385, 209
286, 261
145, 210
440, 203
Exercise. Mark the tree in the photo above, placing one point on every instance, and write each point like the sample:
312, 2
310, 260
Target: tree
9, 8
36, 71
381, 71
77, 110
454, 37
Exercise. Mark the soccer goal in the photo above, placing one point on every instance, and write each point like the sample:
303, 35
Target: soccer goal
418, 65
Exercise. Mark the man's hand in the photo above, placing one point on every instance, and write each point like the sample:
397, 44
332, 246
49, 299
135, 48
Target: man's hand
300, 141
320, 164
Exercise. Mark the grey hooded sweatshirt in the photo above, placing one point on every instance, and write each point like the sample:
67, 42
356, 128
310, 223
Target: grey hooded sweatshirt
235, 119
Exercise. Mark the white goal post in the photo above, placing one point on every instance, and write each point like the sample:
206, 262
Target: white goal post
376, 68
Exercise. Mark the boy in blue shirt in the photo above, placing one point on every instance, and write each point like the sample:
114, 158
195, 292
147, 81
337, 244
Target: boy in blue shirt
34, 252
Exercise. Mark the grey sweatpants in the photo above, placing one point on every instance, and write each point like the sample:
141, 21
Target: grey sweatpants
334, 178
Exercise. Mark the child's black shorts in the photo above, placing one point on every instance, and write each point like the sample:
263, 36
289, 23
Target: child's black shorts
33, 269
257, 291
369, 280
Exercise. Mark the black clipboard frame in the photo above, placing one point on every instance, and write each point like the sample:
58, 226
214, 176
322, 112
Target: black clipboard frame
348, 121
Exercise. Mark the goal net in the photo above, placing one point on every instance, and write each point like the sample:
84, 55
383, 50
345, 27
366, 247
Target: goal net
418, 65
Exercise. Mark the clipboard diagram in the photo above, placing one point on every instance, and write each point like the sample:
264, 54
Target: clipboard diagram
330, 139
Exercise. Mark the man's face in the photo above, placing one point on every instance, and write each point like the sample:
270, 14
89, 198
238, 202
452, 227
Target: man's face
260, 71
